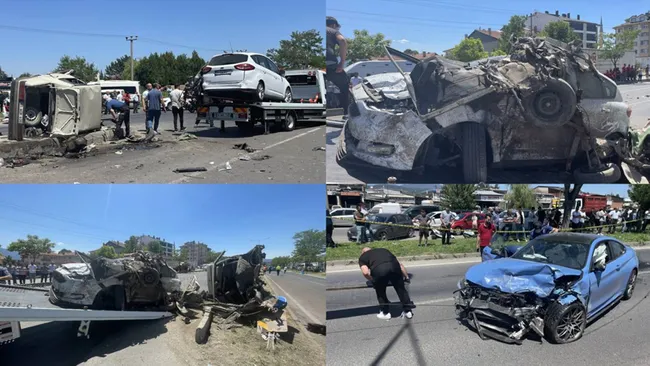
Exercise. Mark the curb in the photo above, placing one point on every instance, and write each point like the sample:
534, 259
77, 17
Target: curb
335, 124
29, 288
348, 262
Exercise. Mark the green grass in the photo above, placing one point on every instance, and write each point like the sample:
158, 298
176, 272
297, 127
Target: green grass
406, 248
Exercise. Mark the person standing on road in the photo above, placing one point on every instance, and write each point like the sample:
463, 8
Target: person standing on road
614, 217
127, 99
135, 98
124, 117
382, 268
285, 270
153, 104
278, 269
485, 232
43, 273
5, 276
335, 72
423, 227
50, 271
176, 97
32, 273
329, 226
14, 273
445, 226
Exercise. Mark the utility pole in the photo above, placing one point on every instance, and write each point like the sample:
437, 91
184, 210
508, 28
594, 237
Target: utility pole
131, 39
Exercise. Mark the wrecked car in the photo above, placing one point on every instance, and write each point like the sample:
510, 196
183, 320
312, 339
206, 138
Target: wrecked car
236, 279
544, 104
114, 284
553, 286
58, 104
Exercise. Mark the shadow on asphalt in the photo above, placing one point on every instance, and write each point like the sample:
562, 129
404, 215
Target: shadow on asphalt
407, 328
56, 343
395, 311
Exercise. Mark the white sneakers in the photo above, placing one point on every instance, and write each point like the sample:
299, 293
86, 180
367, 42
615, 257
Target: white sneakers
407, 314
383, 316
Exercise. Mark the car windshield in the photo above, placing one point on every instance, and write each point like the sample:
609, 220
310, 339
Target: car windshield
547, 249
227, 59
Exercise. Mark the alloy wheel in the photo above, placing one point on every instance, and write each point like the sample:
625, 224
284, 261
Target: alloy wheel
570, 326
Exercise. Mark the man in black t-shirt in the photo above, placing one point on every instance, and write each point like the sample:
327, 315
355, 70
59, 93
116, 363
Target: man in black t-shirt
381, 267
335, 72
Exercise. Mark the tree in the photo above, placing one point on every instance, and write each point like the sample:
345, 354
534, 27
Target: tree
309, 245
570, 196
3, 74
32, 247
155, 247
302, 50
24, 74
183, 255
458, 196
497, 52
640, 193
561, 31
411, 52
65, 251
106, 252
516, 27
616, 44
131, 245
82, 69
281, 261
365, 46
469, 49
117, 67
521, 195
212, 256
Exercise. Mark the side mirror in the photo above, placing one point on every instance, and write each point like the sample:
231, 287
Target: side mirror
599, 266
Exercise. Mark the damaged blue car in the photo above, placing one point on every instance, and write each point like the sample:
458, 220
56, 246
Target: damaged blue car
553, 286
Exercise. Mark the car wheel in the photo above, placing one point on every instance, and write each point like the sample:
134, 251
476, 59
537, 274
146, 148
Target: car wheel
411, 233
610, 173
260, 92
288, 96
565, 323
383, 236
474, 153
289, 122
629, 288
552, 106
33, 116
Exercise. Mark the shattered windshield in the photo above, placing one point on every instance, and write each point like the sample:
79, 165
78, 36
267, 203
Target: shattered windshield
553, 251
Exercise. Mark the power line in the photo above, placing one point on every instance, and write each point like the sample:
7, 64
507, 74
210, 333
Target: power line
391, 16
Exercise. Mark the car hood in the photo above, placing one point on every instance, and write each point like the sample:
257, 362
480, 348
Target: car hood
517, 276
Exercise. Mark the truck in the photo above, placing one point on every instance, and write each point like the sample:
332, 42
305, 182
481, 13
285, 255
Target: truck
309, 103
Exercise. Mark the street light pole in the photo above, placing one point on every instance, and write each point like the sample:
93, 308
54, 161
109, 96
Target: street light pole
131, 39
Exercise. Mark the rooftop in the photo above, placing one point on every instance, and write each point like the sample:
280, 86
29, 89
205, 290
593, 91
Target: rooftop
565, 16
489, 32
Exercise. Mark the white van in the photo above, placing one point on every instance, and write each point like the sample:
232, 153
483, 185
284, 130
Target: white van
129, 86
389, 207
365, 68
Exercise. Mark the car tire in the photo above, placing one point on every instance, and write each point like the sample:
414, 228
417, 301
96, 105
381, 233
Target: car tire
474, 153
610, 173
33, 116
260, 92
383, 236
289, 123
629, 287
288, 96
411, 233
551, 106
556, 316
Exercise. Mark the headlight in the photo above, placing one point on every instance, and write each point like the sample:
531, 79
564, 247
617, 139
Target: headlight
462, 283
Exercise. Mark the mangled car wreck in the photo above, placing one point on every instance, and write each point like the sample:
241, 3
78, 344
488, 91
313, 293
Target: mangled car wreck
554, 286
544, 104
115, 284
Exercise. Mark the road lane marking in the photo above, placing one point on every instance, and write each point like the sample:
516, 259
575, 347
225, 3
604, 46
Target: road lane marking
413, 266
235, 159
293, 301
429, 302
304, 277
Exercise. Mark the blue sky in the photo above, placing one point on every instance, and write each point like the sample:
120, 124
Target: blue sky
435, 26
209, 26
225, 217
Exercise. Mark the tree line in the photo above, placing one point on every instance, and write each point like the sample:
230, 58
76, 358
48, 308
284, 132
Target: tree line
309, 247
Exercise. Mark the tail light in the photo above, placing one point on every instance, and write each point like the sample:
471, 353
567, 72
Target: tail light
245, 67
206, 70
629, 112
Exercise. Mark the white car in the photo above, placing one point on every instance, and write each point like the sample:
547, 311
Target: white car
435, 218
343, 216
242, 75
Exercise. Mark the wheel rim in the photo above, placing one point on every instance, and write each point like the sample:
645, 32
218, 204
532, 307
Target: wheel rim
630, 285
30, 115
570, 325
548, 104
411, 232
290, 121
260, 91
288, 96
383, 237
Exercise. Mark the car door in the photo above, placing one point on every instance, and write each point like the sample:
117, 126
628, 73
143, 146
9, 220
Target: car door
602, 284
391, 230
265, 74
272, 79
281, 81
603, 104
404, 227
619, 261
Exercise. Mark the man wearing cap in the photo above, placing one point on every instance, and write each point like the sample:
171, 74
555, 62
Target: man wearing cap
335, 72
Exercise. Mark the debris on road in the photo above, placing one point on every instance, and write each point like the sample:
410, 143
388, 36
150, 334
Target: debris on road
139, 166
186, 136
244, 157
118, 152
244, 146
316, 328
318, 148
225, 166
190, 170
261, 157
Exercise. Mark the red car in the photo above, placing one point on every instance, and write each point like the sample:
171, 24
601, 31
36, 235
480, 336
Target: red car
464, 222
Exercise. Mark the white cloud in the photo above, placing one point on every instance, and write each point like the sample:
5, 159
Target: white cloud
403, 41
60, 244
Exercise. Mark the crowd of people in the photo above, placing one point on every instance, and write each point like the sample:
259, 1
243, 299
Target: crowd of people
21, 273
628, 73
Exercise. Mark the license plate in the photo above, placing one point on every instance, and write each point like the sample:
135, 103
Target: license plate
230, 114
222, 72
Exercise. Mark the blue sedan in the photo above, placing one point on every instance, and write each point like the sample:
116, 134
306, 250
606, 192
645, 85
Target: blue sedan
553, 286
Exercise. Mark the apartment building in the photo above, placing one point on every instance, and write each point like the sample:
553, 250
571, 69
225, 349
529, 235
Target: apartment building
642, 43
589, 32
167, 248
197, 253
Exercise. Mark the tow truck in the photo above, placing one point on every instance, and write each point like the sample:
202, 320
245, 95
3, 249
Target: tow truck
309, 103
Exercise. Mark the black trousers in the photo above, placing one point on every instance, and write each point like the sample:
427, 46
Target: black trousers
391, 273
341, 80
126, 119
178, 112
446, 233
330, 242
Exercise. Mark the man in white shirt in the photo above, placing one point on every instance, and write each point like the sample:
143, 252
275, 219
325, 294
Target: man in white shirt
601, 216
119, 96
176, 97
32, 273
135, 98
614, 216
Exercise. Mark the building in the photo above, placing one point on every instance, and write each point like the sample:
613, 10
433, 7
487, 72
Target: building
589, 32
168, 249
58, 259
488, 37
197, 253
345, 195
116, 245
642, 43
615, 201
488, 198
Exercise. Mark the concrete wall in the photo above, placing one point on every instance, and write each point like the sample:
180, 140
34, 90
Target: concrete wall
603, 64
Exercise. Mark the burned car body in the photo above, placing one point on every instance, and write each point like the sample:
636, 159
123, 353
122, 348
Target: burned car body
554, 286
58, 104
545, 103
114, 284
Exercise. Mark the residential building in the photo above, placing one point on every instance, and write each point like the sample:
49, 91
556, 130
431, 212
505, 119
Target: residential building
589, 32
642, 43
197, 253
615, 201
488, 37
116, 245
345, 195
167, 248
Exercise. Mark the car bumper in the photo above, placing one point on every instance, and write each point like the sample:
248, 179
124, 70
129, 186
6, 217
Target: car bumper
63, 297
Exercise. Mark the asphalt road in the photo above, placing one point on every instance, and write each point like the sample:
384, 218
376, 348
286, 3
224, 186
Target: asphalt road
434, 336
636, 95
305, 295
282, 157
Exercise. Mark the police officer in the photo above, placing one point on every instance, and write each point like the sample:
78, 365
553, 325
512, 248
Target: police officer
125, 116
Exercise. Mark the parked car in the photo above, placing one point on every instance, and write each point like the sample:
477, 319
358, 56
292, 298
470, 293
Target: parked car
553, 286
245, 75
413, 211
343, 216
435, 218
464, 222
386, 232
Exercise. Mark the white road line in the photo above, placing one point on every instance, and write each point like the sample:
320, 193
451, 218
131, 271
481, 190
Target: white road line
428, 302
415, 265
303, 277
296, 303
215, 166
